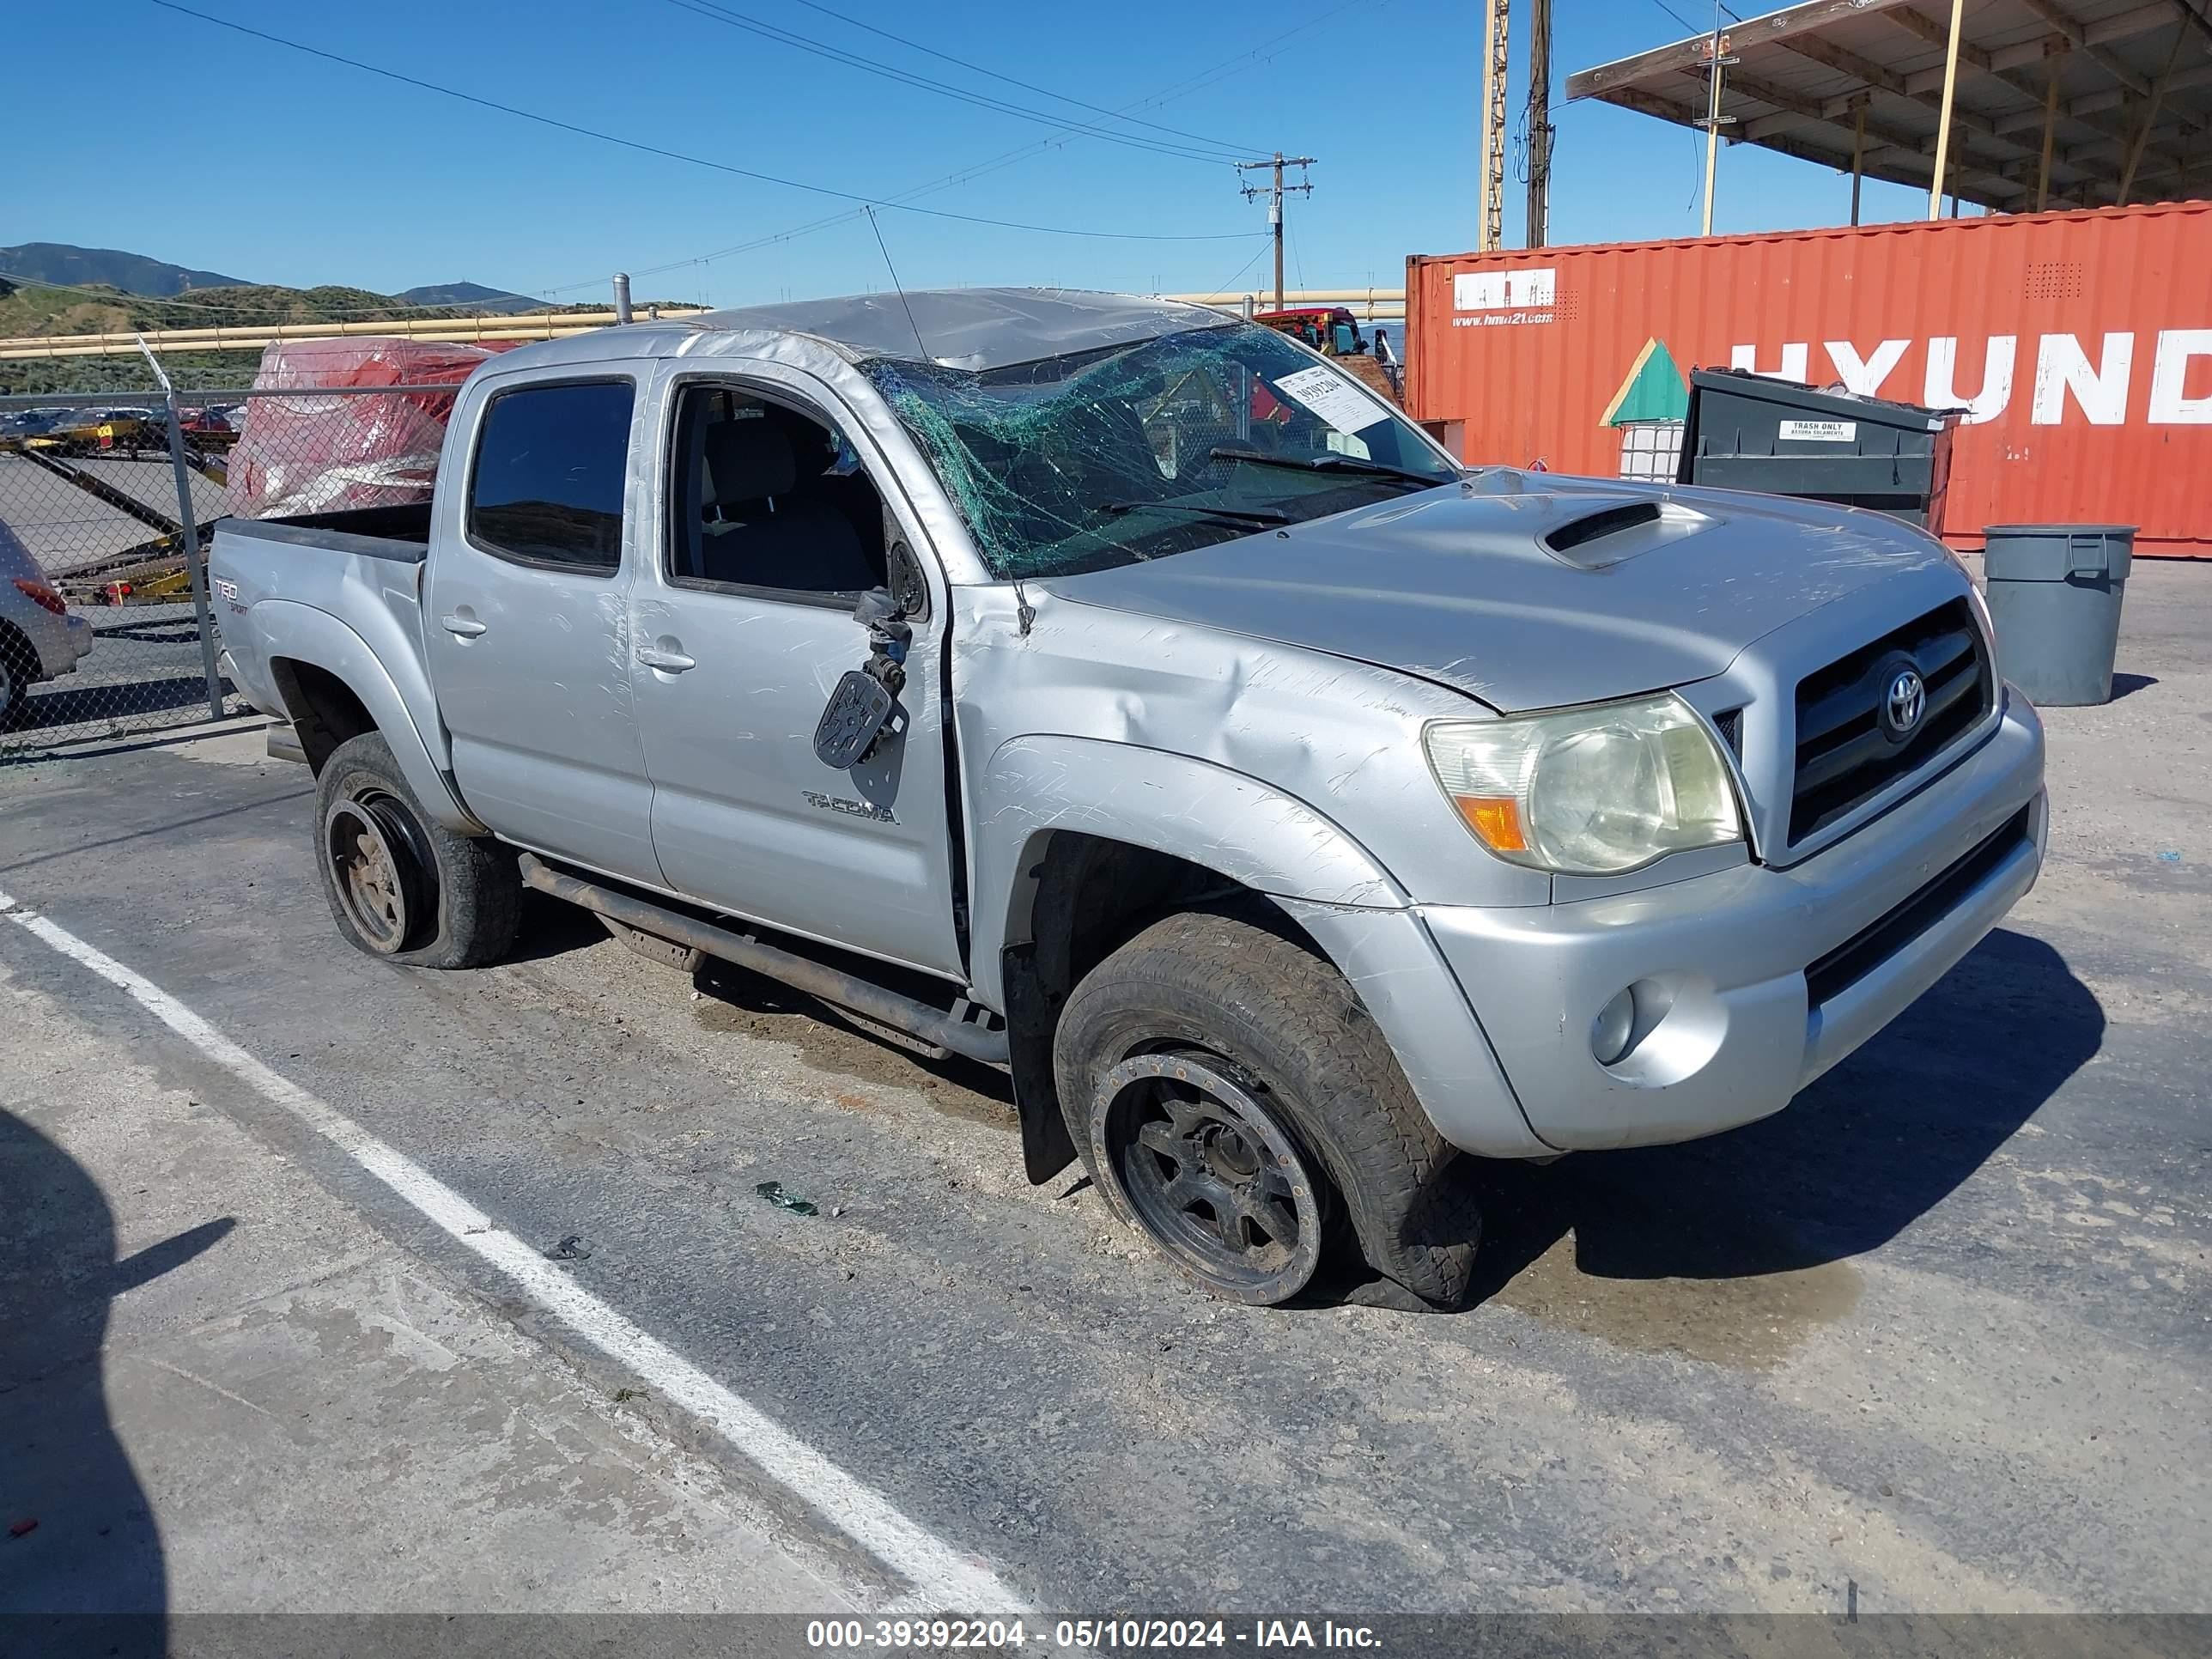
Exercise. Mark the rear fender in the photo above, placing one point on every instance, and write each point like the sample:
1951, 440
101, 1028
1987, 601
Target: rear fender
305, 634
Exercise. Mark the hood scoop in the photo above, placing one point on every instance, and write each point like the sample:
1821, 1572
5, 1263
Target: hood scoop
1596, 540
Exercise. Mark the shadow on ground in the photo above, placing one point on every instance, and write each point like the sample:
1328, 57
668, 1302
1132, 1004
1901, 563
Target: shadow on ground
52, 707
1730, 1248
1753, 1231
77, 1536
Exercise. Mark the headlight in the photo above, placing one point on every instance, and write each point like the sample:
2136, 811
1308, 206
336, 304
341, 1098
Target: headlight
1589, 791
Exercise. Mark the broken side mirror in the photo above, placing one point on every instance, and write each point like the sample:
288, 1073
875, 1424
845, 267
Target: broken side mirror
863, 710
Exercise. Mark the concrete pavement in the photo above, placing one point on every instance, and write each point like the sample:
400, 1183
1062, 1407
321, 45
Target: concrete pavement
225, 1390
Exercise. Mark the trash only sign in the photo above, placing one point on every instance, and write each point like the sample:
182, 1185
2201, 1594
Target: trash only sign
1819, 432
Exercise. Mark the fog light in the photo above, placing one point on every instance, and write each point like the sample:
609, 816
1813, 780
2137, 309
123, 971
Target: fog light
1614, 1025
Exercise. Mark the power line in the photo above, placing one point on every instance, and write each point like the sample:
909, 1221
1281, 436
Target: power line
1235, 64
679, 155
1236, 276
737, 20
947, 56
1692, 28
1678, 18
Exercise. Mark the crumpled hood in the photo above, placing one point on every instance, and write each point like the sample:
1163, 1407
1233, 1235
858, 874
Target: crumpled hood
1461, 586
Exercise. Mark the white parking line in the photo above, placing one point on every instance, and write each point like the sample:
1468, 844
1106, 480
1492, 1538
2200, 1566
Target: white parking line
944, 1579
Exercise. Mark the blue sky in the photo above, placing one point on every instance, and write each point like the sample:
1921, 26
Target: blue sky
288, 169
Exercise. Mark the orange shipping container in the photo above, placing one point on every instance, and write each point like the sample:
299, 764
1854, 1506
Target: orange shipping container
2080, 343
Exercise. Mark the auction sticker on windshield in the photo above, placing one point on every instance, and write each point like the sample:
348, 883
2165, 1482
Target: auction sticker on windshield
1332, 396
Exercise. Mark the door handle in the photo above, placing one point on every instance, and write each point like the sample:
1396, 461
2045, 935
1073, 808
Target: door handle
467, 627
669, 662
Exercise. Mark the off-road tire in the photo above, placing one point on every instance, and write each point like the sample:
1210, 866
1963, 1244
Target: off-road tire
1284, 1018
470, 894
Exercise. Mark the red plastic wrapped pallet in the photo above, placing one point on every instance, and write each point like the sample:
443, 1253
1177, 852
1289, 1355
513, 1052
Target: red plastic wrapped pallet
299, 452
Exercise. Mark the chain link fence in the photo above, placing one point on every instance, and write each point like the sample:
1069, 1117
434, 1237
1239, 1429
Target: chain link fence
107, 503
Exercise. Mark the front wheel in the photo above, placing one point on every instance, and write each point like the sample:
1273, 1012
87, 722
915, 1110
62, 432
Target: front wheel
1190, 1153
400, 885
1229, 1092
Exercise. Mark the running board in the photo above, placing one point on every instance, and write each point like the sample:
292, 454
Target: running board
865, 998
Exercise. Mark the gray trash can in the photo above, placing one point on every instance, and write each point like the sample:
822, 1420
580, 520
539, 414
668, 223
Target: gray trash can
2054, 593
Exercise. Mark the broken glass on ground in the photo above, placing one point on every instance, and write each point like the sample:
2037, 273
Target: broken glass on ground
774, 1192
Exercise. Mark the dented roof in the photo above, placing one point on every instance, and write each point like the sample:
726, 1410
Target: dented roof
970, 328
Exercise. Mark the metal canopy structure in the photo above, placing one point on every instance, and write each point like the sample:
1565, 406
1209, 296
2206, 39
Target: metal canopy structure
2058, 103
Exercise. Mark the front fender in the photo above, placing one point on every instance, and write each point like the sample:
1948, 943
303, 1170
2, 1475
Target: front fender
300, 633
1235, 825
1252, 833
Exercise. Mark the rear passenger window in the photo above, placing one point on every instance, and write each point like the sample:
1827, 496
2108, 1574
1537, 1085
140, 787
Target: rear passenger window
547, 486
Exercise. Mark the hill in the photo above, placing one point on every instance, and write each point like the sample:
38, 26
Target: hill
472, 297
132, 273
32, 308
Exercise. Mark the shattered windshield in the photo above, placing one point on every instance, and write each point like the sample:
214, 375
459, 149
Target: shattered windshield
1130, 452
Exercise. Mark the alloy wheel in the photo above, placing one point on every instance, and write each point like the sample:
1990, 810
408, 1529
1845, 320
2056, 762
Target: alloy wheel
1198, 1162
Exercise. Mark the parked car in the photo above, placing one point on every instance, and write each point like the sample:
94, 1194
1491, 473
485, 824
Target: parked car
1124, 696
39, 636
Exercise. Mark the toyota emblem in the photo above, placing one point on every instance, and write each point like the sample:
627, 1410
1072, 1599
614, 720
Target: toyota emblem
1906, 701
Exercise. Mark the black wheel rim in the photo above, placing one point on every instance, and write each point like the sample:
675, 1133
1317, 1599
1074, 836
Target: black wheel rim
1202, 1166
376, 866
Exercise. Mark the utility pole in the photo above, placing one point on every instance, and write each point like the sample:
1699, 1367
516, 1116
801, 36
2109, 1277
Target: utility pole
1497, 42
1540, 123
1943, 127
1717, 60
1274, 194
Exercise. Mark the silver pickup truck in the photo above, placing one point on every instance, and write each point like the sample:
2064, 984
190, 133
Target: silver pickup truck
1119, 693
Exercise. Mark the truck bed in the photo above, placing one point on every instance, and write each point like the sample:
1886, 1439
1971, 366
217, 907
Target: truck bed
341, 590
376, 532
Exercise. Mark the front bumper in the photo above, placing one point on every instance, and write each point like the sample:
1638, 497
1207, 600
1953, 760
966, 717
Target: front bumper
1720, 961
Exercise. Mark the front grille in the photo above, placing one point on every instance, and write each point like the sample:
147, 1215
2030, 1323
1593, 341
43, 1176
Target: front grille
1868, 948
1845, 756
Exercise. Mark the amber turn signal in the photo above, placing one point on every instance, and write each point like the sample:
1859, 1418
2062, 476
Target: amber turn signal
1496, 818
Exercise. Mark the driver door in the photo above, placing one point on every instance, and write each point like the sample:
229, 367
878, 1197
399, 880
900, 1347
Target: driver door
771, 525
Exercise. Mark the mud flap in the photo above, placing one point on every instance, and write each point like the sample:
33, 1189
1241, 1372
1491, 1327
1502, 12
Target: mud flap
1046, 1146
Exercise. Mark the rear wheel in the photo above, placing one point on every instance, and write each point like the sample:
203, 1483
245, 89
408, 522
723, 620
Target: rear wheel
1229, 1095
400, 885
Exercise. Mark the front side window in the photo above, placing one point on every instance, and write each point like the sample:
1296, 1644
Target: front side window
547, 486
1132, 452
767, 498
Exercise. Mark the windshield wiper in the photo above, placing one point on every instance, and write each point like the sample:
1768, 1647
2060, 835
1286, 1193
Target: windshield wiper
1218, 515
1325, 464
